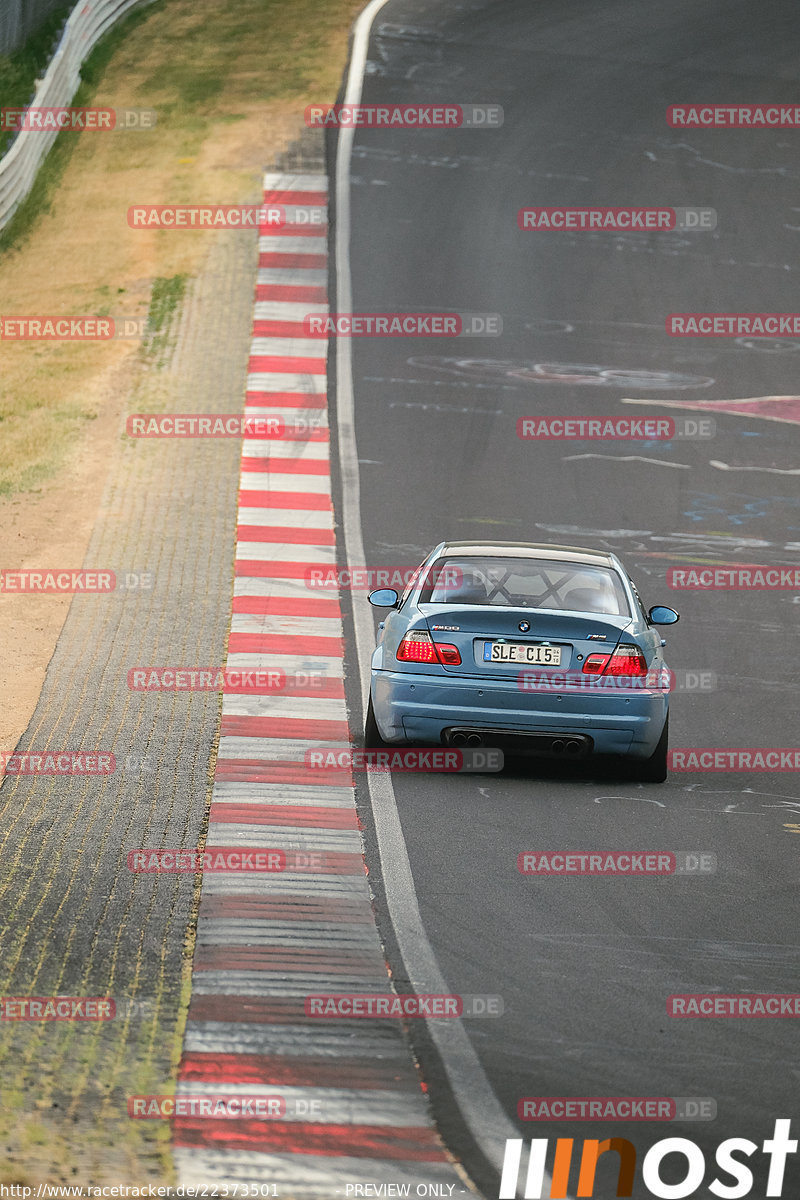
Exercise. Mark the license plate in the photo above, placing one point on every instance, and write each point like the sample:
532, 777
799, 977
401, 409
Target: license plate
514, 652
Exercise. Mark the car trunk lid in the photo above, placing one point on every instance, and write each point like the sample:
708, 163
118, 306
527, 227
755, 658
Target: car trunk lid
492, 644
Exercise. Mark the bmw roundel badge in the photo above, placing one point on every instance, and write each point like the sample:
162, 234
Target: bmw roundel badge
524, 626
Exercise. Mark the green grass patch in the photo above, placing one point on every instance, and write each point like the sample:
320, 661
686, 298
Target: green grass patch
31, 479
165, 299
94, 68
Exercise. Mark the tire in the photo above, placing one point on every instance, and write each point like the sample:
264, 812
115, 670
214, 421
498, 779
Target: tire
654, 768
372, 736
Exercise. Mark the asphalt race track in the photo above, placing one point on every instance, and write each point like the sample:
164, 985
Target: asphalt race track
585, 965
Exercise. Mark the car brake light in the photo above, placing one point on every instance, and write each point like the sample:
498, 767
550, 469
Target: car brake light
419, 646
627, 660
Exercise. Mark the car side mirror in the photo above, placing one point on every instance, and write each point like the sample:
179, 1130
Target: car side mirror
661, 615
384, 598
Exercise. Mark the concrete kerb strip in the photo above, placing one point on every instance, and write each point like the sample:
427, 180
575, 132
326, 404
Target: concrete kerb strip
265, 941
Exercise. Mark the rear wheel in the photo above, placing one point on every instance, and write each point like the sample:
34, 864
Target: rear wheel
654, 768
372, 735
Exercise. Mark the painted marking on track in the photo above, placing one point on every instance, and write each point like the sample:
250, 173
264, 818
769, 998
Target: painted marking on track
765, 408
642, 799
572, 374
710, 542
489, 412
629, 458
721, 466
784, 802
785, 172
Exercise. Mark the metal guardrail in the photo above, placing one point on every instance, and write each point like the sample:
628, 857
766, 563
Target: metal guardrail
86, 24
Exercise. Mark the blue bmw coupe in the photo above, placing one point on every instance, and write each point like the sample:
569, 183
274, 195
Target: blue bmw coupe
536, 649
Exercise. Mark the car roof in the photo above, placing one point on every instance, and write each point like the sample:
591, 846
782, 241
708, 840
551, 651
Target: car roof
575, 554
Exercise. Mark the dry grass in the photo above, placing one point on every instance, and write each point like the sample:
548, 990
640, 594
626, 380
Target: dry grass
229, 82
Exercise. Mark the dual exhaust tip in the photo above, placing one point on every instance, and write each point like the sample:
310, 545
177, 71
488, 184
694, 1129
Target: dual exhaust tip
569, 747
466, 739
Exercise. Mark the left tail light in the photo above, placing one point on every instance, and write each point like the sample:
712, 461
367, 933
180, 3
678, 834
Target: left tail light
419, 646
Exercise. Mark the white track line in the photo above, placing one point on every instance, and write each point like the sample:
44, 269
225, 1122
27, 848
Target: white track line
482, 1112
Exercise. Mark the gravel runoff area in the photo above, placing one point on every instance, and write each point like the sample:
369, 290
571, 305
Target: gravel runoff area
73, 919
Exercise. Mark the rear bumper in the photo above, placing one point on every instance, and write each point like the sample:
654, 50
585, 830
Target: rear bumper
420, 708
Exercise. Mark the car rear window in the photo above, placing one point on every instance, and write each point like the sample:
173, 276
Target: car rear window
525, 583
